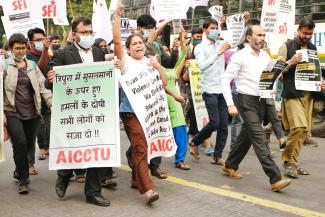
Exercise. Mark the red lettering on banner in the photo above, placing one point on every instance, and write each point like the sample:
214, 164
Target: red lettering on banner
19, 5
162, 145
61, 157
283, 29
75, 155
108, 154
49, 10
70, 156
87, 158
83, 156
271, 2
95, 150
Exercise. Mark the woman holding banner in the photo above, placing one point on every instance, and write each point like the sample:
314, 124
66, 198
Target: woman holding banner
136, 49
174, 101
23, 88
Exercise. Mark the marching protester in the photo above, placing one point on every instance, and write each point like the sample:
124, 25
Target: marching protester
81, 51
209, 55
146, 26
136, 49
297, 105
23, 90
245, 68
175, 102
196, 38
39, 53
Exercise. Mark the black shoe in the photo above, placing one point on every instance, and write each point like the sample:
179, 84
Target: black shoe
129, 158
61, 186
159, 174
23, 188
98, 200
282, 146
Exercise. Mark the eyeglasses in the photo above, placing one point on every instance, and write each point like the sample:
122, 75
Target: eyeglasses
87, 33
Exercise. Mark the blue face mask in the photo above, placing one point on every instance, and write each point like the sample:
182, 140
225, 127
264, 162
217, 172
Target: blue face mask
86, 41
38, 46
213, 34
196, 41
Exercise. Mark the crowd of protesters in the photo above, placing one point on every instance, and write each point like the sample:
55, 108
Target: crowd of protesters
230, 87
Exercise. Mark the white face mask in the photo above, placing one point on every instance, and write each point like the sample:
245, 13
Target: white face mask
86, 41
146, 33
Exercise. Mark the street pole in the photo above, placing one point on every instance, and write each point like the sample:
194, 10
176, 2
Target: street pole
193, 9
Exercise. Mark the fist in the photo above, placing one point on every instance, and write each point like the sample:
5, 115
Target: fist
232, 110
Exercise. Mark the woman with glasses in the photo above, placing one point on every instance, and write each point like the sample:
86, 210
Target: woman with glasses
23, 88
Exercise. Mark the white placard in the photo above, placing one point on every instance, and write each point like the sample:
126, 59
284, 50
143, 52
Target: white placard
61, 21
144, 89
170, 9
235, 25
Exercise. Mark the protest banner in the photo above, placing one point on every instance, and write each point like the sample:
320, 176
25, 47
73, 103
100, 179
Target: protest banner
147, 97
22, 26
235, 25
1, 118
195, 3
48, 8
125, 29
61, 21
201, 113
170, 9
216, 12
85, 117
16, 9
308, 74
269, 76
278, 19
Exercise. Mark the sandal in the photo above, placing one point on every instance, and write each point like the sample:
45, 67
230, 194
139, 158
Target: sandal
109, 183
80, 179
32, 171
194, 151
151, 196
182, 166
159, 174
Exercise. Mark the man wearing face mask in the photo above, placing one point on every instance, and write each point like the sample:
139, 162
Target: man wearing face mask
245, 69
55, 41
39, 53
80, 51
210, 57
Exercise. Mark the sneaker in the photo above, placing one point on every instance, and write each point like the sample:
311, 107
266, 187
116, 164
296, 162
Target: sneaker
309, 142
23, 188
290, 170
209, 151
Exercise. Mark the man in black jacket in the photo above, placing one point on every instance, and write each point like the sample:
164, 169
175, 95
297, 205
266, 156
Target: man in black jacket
81, 51
297, 105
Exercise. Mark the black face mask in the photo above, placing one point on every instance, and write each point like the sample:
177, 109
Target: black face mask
105, 51
56, 47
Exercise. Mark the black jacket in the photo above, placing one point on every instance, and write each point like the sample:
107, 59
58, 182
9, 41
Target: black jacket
70, 55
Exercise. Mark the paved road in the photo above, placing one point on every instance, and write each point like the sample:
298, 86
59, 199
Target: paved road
202, 191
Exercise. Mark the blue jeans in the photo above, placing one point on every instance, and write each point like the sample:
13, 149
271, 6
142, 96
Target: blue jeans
218, 115
181, 140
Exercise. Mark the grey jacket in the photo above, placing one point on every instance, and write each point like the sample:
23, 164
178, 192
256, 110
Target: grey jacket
10, 77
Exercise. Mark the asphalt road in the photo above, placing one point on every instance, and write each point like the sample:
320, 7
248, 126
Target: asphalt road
202, 191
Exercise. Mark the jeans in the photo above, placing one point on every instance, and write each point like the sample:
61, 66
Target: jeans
236, 126
23, 138
218, 115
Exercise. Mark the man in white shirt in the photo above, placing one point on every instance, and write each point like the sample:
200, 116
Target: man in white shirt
210, 58
245, 68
